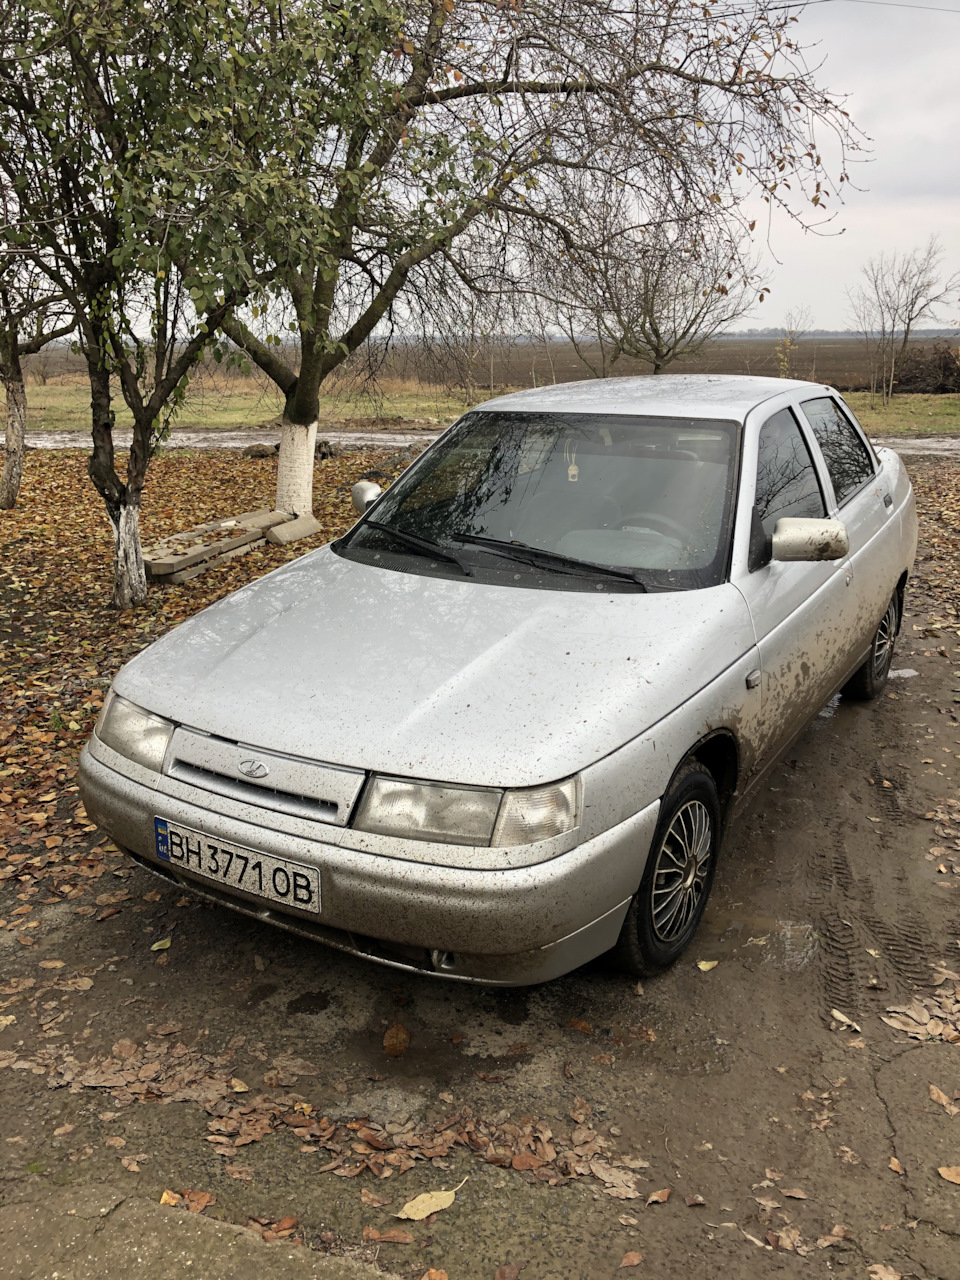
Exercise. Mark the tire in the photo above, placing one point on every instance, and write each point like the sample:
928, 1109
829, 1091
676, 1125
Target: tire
666, 910
868, 681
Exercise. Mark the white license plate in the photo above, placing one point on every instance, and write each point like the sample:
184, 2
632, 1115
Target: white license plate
278, 879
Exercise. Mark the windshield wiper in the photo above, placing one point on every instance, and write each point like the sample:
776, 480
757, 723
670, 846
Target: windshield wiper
423, 545
525, 552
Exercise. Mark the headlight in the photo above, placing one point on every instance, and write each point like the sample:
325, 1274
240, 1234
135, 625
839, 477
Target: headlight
538, 812
468, 815
133, 732
428, 811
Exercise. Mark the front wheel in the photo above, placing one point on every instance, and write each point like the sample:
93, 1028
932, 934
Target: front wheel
666, 909
868, 680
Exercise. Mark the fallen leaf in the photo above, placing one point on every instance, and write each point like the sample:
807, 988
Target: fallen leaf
7, 1020
706, 965
844, 1020
838, 1234
694, 1202
879, 1271
510, 1270
52, 964
115, 1142
197, 1201
64, 1130
950, 1172
767, 1202
242, 1172
626, 1220
938, 1096
578, 1024
659, 1197
162, 945
434, 1273
396, 1041
794, 1193
371, 1199
430, 1202
132, 1163
238, 1085
631, 1259
393, 1236
785, 1238
170, 1197
895, 1165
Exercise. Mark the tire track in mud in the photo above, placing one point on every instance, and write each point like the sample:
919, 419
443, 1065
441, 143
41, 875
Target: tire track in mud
842, 971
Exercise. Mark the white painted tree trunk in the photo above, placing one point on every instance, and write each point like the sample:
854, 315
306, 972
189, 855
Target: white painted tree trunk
295, 470
13, 450
130, 579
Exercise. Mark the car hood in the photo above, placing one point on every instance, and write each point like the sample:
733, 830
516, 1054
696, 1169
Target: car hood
429, 677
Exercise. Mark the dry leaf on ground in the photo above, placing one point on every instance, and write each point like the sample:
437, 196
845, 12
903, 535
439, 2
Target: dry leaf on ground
879, 1271
938, 1096
170, 1197
394, 1236
794, 1193
510, 1270
434, 1273
706, 965
162, 945
837, 1235
631, 1259
659, 1197
950, 1172
396, 1041
371, 1199
197, 1201
895, 1165
430, 1202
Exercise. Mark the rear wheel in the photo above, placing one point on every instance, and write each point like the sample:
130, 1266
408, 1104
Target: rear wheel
868, 680
666, 909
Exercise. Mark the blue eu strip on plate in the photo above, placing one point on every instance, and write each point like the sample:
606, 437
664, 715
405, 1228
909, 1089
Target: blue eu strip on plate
163, 839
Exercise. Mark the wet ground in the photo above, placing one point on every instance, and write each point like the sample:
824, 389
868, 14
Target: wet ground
765, 1086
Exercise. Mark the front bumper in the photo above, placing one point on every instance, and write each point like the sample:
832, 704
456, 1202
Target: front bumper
509, 926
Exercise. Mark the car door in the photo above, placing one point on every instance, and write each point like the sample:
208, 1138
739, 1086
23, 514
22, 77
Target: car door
795, 605
864, 502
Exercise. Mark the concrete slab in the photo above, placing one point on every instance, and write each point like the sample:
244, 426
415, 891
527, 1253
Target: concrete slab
98, 1233
293, 530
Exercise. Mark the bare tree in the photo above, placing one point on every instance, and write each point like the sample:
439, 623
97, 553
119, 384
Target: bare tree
899, 291
796, 324
649, 291
31, 316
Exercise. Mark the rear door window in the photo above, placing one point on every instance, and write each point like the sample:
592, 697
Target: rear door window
844, 450
787, 483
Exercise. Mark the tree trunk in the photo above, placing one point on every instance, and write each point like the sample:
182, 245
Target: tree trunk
14, 445
295, 468
130, 578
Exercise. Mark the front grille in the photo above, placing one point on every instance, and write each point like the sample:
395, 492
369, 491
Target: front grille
266, 779
299, 806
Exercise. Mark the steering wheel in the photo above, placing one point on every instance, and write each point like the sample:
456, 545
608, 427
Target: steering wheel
660, 523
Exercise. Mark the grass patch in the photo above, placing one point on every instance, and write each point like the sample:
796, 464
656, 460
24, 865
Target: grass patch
216, 402
908, 415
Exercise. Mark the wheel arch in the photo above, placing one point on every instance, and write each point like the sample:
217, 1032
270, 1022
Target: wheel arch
719, 753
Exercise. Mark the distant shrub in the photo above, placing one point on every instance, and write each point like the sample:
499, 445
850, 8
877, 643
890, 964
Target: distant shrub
931, 370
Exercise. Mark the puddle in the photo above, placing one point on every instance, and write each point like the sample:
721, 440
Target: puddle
830, 710
309, 1002
786, 944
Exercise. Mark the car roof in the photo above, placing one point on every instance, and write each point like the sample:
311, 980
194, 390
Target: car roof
686, 395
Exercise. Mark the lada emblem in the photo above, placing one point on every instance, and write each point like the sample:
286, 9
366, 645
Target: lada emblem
253, 768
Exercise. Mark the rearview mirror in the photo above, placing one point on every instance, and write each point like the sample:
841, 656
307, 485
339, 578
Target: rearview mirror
795, 539
364, 493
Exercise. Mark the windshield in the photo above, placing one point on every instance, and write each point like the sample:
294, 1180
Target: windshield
647, 499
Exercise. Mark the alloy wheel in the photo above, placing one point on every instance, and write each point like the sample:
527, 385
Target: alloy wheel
681, 871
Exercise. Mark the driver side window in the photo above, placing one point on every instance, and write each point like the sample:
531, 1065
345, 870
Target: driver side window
787, 483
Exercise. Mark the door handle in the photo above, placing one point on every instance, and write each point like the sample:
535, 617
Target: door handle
887, 500
753, 679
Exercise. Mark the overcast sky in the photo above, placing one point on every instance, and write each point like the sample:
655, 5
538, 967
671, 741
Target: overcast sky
900, 68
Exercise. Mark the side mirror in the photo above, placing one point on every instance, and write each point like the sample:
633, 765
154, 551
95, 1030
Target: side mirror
364, 493
810, 540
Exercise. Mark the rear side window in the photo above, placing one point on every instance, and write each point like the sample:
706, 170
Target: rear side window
846, 455
787, 483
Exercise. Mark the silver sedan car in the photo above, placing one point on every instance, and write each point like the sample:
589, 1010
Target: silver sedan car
499, 727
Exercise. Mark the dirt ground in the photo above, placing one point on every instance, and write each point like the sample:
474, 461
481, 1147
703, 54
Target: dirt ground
796, 1132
